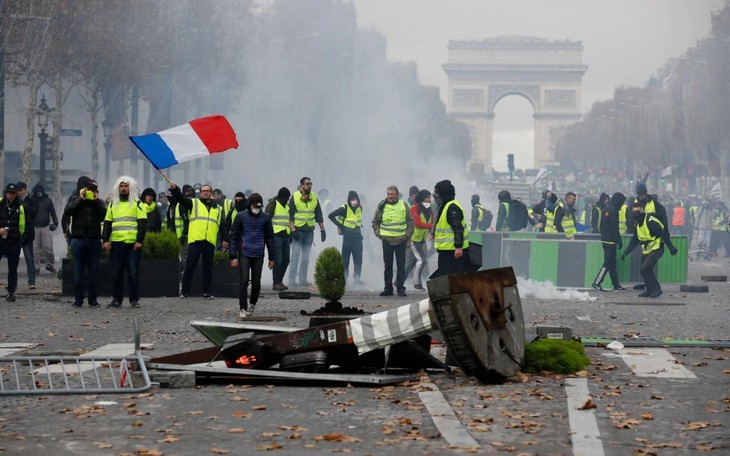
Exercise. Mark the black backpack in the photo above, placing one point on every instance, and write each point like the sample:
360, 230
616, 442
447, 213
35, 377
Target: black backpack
518, 216
486, 220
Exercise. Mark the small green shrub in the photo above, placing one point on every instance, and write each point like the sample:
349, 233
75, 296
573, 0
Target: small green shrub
555, 355
161, 246
329, 274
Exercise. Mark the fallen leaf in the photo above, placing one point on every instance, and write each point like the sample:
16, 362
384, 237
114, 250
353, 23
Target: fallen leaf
171, 439
103, 445
237, 430
337, 437
147, 452
240, 414
588, 405
218, 451
647, 416
269, 435
696, 426
295, 436
136, 423
271, 446
627, 424
195, 412
258, 407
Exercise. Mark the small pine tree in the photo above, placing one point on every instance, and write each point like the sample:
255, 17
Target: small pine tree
329, 274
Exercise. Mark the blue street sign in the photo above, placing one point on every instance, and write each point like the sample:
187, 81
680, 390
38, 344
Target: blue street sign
70, 132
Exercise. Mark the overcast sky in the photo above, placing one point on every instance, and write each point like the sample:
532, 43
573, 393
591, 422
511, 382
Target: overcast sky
624, 41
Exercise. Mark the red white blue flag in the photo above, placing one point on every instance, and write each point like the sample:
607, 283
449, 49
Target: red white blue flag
197, 138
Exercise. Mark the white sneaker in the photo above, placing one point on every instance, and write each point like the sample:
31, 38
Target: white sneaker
251, 308
243, 314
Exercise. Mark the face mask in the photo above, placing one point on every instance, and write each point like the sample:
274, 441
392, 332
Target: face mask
426, 205
353, 202
255, 210
89, 195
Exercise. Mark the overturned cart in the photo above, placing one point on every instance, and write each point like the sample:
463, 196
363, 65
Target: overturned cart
478, 315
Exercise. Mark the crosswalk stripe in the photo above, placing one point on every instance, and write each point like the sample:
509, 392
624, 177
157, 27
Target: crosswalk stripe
583, 425
8, 348
654, 362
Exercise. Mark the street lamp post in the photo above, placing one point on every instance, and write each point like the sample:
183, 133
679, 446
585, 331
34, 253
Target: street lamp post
44, 112
107, 126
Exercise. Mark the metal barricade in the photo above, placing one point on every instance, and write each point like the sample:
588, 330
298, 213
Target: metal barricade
41, 375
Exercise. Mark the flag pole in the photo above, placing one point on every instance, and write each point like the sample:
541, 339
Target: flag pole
164, 176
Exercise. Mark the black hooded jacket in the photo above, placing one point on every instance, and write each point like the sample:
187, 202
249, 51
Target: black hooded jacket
85, 218
341, 212
82, 182
597, 210
46, 210
609, 220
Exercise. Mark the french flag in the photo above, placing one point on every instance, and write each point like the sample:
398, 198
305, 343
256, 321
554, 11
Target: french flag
195, 139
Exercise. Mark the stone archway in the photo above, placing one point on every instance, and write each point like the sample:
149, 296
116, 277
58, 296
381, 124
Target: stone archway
547, 73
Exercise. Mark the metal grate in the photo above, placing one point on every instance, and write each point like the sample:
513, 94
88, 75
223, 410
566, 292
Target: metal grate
22, 375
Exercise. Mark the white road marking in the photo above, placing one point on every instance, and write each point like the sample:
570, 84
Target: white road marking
100, 353
9, 348
445, 419
583, 425
654, 362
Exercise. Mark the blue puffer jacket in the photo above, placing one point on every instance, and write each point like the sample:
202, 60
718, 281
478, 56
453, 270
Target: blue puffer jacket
250, 233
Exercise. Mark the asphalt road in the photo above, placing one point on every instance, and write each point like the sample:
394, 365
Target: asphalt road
636, 412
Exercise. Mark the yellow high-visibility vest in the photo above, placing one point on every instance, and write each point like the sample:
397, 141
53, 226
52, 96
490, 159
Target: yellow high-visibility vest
124, 216
649, 243
393, 220
280, 220
443, 238
204, 223
304, 214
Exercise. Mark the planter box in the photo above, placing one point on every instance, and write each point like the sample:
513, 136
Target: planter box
224, 284
157, 278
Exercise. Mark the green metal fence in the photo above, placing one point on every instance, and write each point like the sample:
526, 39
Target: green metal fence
570, 262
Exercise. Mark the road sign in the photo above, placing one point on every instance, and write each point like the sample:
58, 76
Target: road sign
70, 132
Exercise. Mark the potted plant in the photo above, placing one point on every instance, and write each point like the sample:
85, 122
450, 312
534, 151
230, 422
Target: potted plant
329, 276
158, 269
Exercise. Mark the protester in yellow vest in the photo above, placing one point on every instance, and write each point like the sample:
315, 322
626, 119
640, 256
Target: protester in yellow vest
451, 234
305, 211
278, 209
12, 233
205, 220
423, 220
348, 219
393, 224
565, 216
652, 235
125, 227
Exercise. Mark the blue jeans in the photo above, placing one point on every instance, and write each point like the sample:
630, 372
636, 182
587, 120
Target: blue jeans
86, 253
125, 257
29, 263
300, 257
281, 257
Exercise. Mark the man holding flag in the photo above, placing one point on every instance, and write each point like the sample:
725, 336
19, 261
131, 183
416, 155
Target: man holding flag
205, 221
195, 139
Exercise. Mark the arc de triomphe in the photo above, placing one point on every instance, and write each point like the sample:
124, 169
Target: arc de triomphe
547, 73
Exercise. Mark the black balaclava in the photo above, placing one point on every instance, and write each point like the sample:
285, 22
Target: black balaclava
283, 196
617, 200
351, 195
148, 191
474, 200
445, 190
240, 205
